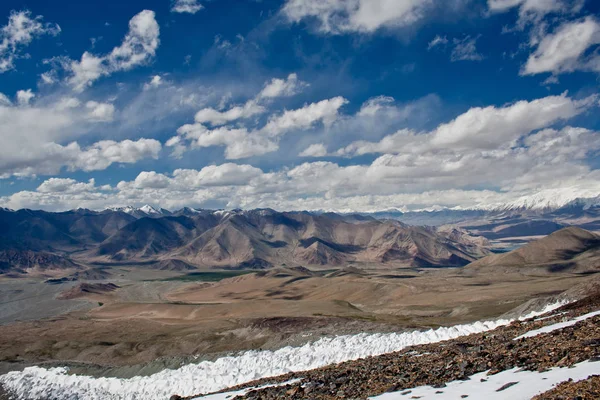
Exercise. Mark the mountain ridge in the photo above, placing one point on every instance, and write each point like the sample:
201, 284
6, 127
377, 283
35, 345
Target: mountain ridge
233, 239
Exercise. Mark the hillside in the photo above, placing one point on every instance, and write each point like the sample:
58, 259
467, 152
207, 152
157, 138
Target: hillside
572, 249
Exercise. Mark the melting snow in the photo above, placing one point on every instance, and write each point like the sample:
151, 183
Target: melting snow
513, 384
212, 376
559, 325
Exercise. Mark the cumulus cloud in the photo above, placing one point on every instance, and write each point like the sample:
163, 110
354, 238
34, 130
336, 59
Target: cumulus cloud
138, 48
48, 130
216, 117
24, 97
154, 82
480, 128
567, 49
272, 89
66, 185
551, 161
243, 142
325, 111
101, 112
491, 126
20, 31
365, 16
282, 87
314, 150
186, 6
508, 151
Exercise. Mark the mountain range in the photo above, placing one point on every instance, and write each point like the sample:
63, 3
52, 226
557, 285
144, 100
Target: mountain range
191, 238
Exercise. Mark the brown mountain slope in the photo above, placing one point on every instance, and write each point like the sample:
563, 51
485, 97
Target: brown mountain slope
570, 248
87, 289
237, 239
26, 261
266, 236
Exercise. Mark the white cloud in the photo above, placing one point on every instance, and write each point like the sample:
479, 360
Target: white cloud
548, 161
376, 105
479, 128
567, 49
186, 6
18, 33
243, 142
491, 126
508, 151
314, 150
272, 89
227, 174
24, 97
4, 100
325, 111
48, 129
150, 180
390, 143
104, 153
66, 185
282, 87
437, 41
101, 112
365, 16
155, 82
533, 11
216, 117
465, 49
138, 48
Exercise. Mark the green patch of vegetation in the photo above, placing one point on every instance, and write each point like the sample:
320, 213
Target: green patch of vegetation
100, 304
209, 276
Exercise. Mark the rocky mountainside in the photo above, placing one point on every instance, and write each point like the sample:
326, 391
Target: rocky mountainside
263, 238
573, 249
236, 239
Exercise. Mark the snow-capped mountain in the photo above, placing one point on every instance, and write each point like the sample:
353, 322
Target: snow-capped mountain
148, 209
144, 211
553, 199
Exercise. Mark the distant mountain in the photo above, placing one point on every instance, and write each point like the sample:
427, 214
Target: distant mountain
573, 249
257, 239
26, 261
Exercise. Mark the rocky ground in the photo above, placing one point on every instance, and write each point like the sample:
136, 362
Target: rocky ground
437, 364
588, 389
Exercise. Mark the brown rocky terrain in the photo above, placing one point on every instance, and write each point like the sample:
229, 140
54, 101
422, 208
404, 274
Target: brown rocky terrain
87, 289
588, 389
27, 261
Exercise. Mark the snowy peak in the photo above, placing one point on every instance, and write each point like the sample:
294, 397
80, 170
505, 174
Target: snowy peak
553, 199
144, 211
148, 209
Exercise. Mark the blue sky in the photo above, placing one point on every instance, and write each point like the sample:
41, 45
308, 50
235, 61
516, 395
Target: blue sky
298, 104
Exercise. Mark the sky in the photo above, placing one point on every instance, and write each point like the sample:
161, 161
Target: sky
342, 105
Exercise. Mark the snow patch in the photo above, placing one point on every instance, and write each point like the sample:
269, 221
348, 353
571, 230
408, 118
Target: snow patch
514, 384
212, 376
559, 325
